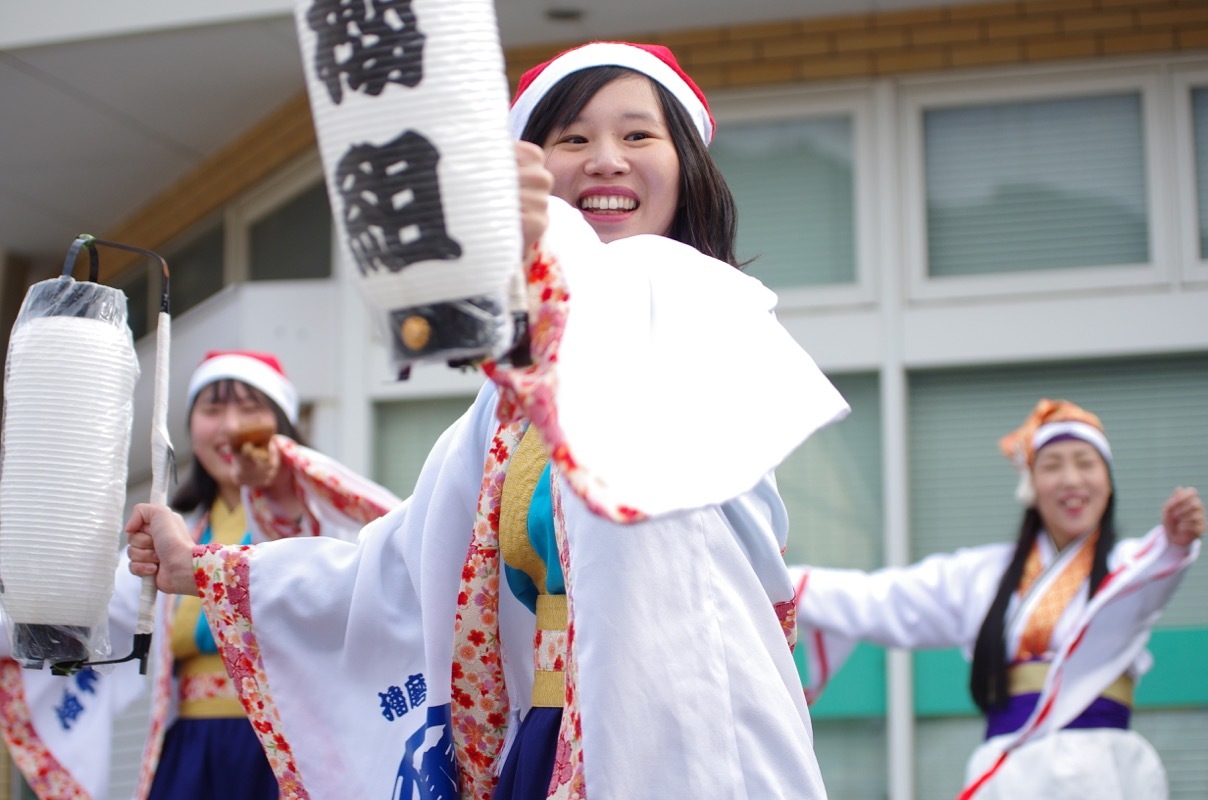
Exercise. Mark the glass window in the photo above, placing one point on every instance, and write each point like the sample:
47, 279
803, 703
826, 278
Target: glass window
1199, 114
294, 241
196, 271
831, 485
793, 183
404, 432
1039, 185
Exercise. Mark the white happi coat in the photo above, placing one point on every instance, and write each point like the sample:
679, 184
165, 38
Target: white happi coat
685, 682
59, 729
941, 602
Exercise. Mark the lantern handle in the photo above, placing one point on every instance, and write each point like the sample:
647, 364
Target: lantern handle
94, 261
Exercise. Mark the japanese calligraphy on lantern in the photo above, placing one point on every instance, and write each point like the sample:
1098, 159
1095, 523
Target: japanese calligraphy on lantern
410, 104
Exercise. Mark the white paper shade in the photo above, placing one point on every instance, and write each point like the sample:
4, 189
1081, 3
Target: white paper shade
409, 99
68, 403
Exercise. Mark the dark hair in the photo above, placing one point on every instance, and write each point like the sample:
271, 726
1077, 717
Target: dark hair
200, 488
707, 217
988, 675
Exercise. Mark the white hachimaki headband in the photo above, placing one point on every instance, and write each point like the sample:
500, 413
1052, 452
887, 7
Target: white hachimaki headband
654, 61
1071, 429
261, 371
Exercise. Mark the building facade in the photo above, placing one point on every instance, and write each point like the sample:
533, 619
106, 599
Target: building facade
963, 209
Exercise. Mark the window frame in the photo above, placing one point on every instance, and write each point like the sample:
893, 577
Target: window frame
916, 97
261, 201
856, 101
1183, 80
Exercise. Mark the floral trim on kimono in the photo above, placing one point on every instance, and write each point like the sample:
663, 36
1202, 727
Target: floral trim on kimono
279, 526
567, 781
221, 574
786, 613
479, 701
315, 475
42, 771
530, 392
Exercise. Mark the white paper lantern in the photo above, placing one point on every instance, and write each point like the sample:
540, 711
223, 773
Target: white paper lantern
409, 99
68, 410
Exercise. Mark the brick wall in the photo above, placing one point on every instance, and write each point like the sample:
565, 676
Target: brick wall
796, 51
924, 40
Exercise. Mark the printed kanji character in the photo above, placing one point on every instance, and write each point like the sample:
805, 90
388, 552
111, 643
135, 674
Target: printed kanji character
86, 680
417, 690
394, 704
69, 711
371, 43
392, 206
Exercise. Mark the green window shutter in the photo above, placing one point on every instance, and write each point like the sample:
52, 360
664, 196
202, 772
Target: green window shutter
831, 485
405, 431
793, 183
1036, 185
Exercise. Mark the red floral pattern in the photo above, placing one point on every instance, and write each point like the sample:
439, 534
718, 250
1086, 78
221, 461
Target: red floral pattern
567, 782
230, 616
43, 772
312, 476
786, 612
549, 651
480, 703
198, 688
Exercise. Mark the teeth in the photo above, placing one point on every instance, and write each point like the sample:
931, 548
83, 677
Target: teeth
608, 203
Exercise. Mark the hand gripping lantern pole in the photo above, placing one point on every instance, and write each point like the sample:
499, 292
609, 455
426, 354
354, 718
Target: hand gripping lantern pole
409, 99
68, 411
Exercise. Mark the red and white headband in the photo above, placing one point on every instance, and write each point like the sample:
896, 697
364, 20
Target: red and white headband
261, 371
654, 61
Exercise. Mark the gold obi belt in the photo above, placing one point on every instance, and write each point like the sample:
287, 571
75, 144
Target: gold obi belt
1028, 678
206, 691
549, 652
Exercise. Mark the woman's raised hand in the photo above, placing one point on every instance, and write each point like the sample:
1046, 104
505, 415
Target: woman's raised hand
536, 183
159, 546
260, 469
1183, 516
256, 467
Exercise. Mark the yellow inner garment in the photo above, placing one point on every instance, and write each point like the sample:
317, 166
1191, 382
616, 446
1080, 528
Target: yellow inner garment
193, 667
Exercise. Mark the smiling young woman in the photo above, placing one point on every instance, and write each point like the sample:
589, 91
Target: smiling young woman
533, 624
1055, 623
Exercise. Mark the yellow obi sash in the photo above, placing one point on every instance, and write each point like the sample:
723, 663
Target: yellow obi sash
1029, 679
516, 550
205, 690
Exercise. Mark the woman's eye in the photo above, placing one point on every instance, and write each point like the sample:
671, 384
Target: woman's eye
638, 136
572, 139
